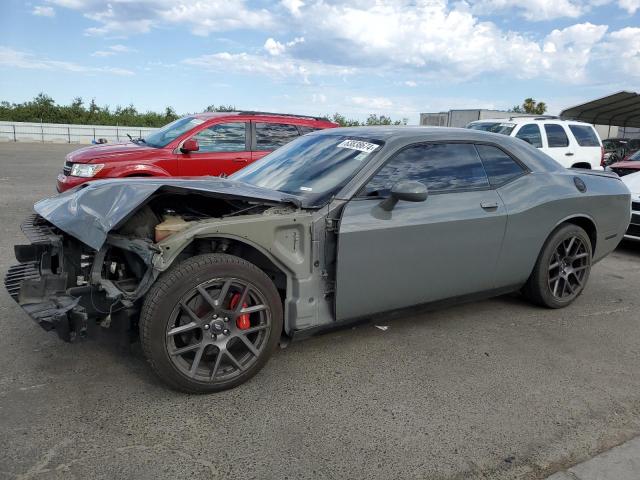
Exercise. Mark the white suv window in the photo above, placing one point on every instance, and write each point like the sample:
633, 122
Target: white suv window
531, 133
556, 136
585, 135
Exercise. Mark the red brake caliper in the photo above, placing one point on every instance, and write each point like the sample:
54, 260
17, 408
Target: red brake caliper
242, 322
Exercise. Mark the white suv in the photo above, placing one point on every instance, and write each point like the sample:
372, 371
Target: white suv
572, 144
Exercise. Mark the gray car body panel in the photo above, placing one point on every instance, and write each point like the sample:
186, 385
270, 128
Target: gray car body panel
444, 247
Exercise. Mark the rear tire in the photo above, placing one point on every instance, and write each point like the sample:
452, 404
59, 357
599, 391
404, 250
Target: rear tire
562, 269
210, 323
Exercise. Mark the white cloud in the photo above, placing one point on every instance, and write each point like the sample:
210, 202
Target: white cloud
417, 39
375, 103
103, 53
293, 6
217, 16
621, 52
533, 10
128, 17
438, 42
273, 66
631, 6
410, 83
43, 11
273, 47
541, 10
113, 50
10, 57
121, 48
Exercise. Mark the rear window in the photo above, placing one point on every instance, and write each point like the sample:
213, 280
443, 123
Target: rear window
499, 166
556, 136
493, 127
585, 135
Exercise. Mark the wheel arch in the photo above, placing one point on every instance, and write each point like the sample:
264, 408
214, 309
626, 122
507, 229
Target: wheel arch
139, 170
247, 250
587, 224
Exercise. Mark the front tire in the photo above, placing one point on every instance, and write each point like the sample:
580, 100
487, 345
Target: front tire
210, 323
562, 269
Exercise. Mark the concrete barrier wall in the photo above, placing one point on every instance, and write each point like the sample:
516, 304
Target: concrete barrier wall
63, 133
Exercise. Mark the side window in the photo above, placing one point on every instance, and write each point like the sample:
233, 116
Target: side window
441, 167
585, 135
304, 129
223, 137
556, 136
270, 136
499, 166
531, 133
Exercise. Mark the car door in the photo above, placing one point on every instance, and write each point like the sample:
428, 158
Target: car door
443, 247
558, 145
271, 135
222, 150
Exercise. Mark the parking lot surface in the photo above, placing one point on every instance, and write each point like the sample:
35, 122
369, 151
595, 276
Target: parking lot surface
492, 389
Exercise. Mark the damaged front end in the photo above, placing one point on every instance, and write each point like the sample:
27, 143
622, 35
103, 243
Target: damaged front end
63, 284
92, 252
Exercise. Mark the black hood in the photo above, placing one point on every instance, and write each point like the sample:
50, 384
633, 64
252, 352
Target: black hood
90, 211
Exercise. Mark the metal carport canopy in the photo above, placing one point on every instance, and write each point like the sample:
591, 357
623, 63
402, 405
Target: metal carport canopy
621, 109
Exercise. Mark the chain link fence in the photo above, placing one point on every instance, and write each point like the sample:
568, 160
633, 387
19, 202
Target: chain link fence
63, 133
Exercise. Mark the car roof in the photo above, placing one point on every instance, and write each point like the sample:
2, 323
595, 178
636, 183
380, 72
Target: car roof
396, 137
208, 115
531, 119
385, 133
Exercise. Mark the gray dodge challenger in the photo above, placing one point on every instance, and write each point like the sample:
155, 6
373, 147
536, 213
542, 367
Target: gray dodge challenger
336, 226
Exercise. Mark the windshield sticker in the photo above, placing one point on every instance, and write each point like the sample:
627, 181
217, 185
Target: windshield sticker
306, 189
361, 156
358, 145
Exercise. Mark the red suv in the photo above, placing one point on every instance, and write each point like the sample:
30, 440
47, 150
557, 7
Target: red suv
200, 144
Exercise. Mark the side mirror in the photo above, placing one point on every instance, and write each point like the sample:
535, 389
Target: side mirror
190, 145
407, 190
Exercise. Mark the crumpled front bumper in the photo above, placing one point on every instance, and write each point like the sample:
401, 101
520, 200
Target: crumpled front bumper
39, 283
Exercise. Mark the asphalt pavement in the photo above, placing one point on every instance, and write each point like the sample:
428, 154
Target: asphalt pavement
497, 389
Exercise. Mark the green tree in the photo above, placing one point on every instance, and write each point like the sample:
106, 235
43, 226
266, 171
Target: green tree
44, 108
220, 108
530, 106
344, 121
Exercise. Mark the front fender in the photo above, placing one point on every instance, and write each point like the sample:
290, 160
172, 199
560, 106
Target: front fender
285, 240
137, 170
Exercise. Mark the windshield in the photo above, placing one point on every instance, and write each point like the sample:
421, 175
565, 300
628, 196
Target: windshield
314, 167
171, 131
493, 127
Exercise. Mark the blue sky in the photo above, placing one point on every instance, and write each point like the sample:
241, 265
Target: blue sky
356, 57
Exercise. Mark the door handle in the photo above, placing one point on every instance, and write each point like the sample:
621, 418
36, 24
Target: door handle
489, 205
569, 154
240, 160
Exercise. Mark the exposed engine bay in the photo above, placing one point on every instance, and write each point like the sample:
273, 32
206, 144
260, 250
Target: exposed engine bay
63, 283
